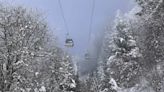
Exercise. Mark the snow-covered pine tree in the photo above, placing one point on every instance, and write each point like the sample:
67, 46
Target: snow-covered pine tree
29, 60
123, 64
103, 74
142, 61
151, 42
22, 38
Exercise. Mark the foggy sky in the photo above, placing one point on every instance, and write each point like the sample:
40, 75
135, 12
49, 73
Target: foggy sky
77, 14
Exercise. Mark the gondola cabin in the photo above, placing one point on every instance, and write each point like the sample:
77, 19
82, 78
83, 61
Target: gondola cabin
69, 43
87, 56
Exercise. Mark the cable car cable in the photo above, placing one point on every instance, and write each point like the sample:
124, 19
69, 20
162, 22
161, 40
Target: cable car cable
68, 42
91, 20
64, 19
87, 55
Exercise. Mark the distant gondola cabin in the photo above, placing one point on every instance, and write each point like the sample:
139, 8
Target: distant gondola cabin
69, 43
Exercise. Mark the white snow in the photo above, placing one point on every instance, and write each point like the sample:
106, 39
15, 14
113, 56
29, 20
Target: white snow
42, 89
19, 62
36, 73
111, 58
121, 40
135, 53
114, 84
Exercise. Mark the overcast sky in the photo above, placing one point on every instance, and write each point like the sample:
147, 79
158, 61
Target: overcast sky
77, 14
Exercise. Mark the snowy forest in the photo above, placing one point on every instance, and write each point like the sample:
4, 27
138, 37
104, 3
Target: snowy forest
129, 56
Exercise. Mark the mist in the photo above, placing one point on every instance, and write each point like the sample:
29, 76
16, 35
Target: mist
81, 46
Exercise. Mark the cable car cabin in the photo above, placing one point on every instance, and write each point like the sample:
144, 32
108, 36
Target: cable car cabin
69, 43
87, 56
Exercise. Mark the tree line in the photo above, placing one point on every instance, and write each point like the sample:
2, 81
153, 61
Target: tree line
130, 60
